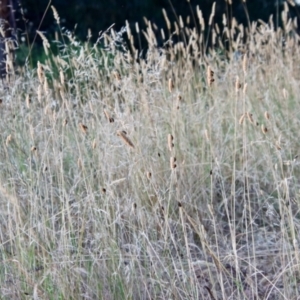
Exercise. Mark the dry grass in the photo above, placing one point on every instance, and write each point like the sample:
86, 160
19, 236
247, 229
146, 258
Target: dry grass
85, 216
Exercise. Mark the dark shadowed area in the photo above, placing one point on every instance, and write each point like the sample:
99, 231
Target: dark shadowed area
99, 15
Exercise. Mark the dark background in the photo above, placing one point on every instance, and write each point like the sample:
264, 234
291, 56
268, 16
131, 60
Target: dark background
98, 15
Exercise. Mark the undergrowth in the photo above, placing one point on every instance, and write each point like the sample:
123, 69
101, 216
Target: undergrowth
169, 176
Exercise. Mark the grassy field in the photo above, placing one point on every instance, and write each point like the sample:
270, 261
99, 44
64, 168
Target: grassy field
170, 177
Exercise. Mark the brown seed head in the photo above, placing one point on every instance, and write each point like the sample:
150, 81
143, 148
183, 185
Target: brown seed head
173, 162
264, 129
170, 142
210, 76
237, 84
108, 117
123, 136
83, 128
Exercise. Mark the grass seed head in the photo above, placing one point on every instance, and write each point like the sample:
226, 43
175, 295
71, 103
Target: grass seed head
170, 142
28, 101
39, 93
277, 145
108, 117
213, 10
206, 135
124, 137
264, 129
61, 77
79, 163
245, 62
250, 117
173, 162
245, 88
55, 14
210, 76
285, 94
46, 44
94, 144
168, 23
171, 85
8, 140
267, 115
241, 120
40, 73
117, 75
46, 86
237, 84
291, 2
83, 128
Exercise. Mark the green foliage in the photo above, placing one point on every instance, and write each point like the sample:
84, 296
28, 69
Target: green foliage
27, 55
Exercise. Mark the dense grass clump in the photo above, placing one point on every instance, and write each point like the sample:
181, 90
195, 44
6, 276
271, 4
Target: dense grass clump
173, 176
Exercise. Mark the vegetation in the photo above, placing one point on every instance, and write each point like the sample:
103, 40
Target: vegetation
98, 15
173, 176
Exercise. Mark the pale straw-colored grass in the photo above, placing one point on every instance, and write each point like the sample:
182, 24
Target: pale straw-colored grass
89, 213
